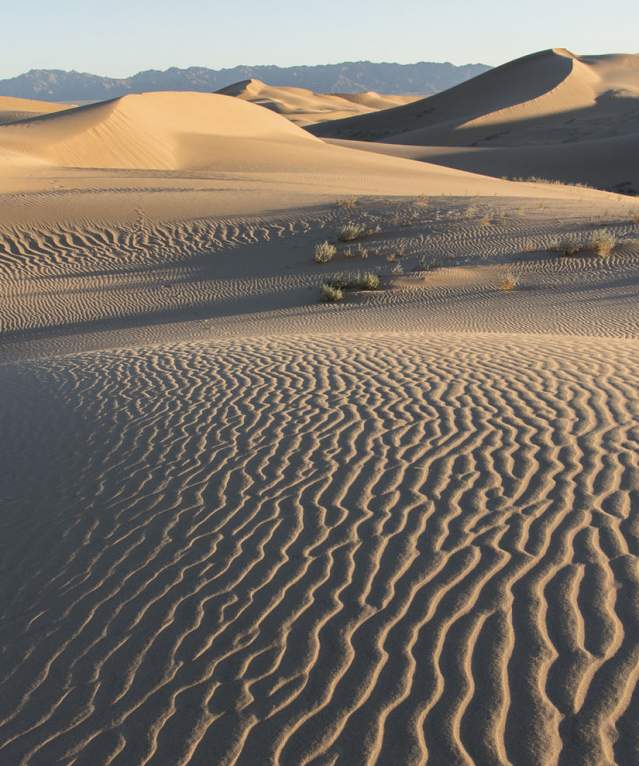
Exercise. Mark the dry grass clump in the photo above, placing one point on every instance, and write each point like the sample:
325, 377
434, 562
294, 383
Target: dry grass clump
369, 281
351, 231
366, 280
508, 281
486, 219
602, 242
324, 252
358, 251
568, 246
349, 203
551, 181
331, 294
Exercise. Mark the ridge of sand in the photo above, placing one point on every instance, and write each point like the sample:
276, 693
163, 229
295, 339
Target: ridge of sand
13, 109
212, 133
306, 107
565, 117
551, 96
151, 130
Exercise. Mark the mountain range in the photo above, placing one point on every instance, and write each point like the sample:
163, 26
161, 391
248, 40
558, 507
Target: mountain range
423, 78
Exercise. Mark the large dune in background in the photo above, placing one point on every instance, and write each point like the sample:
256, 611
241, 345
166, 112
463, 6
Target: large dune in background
551, 114
200, 132
305, 107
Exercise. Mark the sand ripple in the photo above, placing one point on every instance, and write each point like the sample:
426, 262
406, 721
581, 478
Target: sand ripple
317, 550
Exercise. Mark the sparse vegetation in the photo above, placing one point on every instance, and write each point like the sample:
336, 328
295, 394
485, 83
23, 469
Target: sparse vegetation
324, 252
361, 251
508, 281
349, 203
602, 242
486, 219
369, 281
331, 294
366, 280
351, 231
552, 181
568, 246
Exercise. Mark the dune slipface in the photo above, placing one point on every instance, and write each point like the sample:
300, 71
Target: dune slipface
243, 526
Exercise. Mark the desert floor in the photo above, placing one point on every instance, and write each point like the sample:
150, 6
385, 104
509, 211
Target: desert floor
241, 526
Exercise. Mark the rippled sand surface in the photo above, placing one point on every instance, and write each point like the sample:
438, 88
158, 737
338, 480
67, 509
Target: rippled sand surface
241, 526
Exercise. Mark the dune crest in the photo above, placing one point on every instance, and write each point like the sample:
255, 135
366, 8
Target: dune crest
306, 107
166, 131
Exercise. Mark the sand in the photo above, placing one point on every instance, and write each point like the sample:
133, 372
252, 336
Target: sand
242, 526
14, 109
305, 107
570, 118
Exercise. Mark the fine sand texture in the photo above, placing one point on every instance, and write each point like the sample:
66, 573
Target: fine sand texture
305, 107
243, 526
570, 118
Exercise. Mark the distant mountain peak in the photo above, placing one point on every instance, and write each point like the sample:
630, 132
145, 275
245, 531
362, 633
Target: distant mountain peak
422, 78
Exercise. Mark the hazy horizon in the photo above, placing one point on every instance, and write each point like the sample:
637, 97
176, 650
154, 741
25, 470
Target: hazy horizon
143, 35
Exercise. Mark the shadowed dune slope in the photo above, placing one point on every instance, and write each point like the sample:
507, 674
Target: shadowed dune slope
548, 97
305, 107
609, 163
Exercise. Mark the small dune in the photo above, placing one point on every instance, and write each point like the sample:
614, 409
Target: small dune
305, 107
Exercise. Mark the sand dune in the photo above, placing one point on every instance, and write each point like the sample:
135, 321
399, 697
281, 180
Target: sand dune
570, 118
548, 97
240, 525
152, 130
305, 107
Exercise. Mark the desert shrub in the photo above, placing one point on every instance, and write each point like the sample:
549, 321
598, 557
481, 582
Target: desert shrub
351, 231
361, 251
568, 246
369, 281
508, 281
324, 252
331, 294
486, 219
359, 281
602, 242
349, 203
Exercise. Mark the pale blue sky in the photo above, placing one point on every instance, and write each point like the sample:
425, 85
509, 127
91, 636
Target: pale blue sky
121, 37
